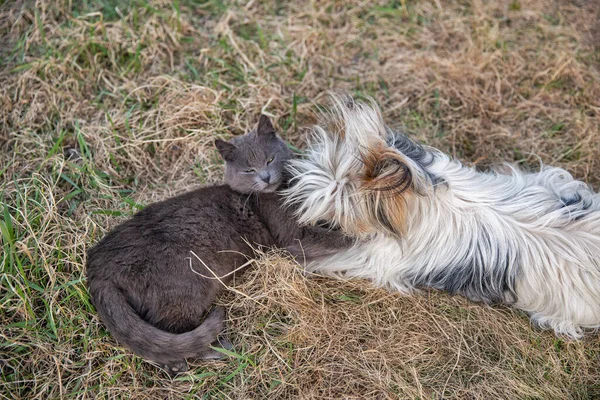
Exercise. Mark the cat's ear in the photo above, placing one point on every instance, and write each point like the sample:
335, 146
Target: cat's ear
226, 149
265, 127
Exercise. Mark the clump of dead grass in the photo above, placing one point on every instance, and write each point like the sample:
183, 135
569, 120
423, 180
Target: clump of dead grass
104, 110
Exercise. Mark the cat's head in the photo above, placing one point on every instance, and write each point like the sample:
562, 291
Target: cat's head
255, 162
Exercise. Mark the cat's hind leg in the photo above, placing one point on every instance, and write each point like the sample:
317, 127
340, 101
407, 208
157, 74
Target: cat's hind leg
174, 368
212, 354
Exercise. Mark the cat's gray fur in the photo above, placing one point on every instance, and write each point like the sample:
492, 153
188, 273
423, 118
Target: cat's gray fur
152, 293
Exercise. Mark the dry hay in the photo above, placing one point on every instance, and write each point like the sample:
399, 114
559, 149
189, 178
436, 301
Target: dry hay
103, 110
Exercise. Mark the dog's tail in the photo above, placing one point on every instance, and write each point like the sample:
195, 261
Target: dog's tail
146, 340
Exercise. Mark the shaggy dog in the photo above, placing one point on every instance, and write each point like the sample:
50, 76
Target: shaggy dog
422, 219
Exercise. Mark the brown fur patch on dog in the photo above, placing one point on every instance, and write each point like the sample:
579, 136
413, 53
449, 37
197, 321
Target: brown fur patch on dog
388, 182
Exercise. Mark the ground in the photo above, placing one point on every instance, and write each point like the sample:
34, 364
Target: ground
108, 105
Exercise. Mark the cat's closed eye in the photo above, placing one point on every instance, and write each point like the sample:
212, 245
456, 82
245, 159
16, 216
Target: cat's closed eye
270, 160
250, 171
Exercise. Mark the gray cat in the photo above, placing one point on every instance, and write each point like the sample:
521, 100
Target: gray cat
255, 162
152, 293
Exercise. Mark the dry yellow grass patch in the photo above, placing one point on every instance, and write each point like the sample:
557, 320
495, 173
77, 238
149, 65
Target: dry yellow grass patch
107, 105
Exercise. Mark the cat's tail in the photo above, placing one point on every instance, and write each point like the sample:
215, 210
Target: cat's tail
146, 340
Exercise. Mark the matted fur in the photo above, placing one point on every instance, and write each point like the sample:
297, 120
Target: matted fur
423, 219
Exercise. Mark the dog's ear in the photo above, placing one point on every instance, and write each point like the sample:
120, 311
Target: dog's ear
387, 171
388, 183
265, 127
226, 149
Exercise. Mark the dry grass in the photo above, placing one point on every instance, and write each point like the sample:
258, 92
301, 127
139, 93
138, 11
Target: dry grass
103, 110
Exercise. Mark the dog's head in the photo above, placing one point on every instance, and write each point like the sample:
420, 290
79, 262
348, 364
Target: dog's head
353, 176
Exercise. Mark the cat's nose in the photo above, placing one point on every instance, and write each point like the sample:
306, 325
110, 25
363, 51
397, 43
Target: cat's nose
265, 176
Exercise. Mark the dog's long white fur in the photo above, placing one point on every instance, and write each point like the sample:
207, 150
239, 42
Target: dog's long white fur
528, 239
